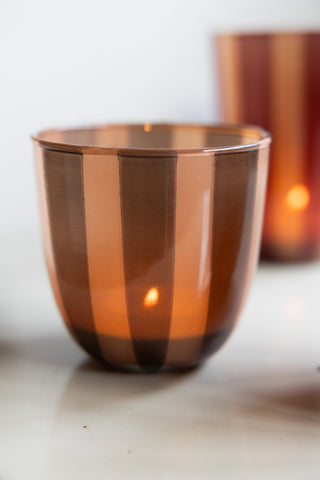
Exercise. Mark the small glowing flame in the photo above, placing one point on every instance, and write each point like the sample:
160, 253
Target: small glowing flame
298, 197
151, 298
147, 127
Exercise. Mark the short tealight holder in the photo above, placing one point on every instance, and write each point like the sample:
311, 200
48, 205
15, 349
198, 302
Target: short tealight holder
151, 235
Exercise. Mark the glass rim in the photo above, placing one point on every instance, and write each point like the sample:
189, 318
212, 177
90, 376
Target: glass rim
263, 139
265, 32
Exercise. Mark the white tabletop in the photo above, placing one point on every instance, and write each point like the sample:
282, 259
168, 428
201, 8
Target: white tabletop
252, 412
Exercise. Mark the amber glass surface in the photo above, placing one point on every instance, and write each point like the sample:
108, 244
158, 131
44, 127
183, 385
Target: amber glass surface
273, 80
151, 234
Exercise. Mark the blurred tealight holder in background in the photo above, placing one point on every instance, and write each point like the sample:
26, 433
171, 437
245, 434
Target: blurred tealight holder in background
273, 80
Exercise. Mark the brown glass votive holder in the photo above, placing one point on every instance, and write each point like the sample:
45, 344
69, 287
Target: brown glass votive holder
151, 235
272, 80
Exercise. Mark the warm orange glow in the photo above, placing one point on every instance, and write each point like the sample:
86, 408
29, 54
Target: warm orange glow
298, 197
147, 127
151, 298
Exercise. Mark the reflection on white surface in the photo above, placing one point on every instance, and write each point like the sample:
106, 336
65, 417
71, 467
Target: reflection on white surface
252, 412
141, 422
294, 307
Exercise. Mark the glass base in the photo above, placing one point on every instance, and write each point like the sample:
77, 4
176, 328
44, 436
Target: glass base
282, 253
151, 355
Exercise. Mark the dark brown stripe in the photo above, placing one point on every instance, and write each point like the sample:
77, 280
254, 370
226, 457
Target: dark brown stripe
255, 62
64, 188
148, 229
234, 192
312, 83
254, 51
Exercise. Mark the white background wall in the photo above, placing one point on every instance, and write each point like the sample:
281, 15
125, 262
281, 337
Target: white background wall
66, 62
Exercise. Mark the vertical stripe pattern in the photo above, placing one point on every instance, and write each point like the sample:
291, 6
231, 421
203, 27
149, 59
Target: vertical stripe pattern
254, 52
105, 255
64, 188
229, 62
148, 220
46, 231
277, 78
312, 125
287, 117
258, 211
193, 238
150, 256
234, 191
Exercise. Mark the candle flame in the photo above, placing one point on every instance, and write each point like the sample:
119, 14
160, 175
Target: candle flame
151, 298
298, 197
147, 127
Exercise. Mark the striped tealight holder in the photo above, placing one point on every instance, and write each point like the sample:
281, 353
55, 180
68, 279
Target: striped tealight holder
151, 235
273, 80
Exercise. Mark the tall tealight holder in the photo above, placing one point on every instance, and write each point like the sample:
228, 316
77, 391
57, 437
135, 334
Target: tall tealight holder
273, 80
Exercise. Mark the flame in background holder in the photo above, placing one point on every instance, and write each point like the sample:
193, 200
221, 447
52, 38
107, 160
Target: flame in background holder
147, 127
298, 198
